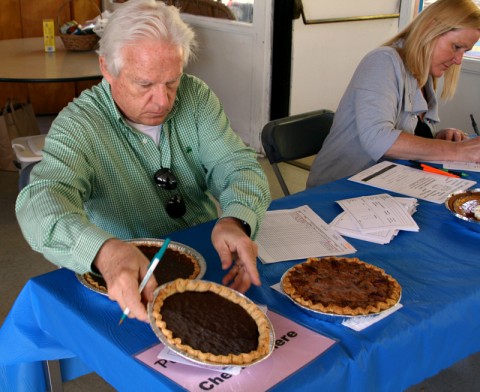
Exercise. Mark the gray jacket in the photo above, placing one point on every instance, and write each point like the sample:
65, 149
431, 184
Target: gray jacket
382, 100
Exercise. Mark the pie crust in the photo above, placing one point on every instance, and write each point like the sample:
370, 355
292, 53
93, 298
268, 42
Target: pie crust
341, 286
209, 325
96, 282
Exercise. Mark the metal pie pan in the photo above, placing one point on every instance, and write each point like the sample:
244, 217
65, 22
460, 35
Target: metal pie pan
83, 280
461, 204
205, 364
330, 317
154, 242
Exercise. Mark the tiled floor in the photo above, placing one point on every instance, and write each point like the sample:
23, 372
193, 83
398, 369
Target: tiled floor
18, 263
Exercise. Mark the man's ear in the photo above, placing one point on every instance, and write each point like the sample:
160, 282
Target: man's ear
104, 69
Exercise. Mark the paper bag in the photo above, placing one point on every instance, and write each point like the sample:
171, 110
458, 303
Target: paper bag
16, 120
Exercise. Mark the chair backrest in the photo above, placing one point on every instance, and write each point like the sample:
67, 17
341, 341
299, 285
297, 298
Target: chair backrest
295, 137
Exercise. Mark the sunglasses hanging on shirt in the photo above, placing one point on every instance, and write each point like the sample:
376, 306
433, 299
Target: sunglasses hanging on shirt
165, 179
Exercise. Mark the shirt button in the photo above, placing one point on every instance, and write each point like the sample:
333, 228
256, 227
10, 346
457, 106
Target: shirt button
144, 140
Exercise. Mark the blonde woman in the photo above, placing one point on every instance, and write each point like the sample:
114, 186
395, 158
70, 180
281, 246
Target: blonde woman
390, 107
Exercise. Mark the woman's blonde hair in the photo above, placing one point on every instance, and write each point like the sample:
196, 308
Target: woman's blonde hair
420, 36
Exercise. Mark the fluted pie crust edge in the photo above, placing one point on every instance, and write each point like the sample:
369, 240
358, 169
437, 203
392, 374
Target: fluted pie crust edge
394, 292
182, 285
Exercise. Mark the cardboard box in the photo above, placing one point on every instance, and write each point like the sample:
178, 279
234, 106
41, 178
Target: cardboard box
49, 35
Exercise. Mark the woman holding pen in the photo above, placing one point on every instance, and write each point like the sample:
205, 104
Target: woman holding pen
390, 107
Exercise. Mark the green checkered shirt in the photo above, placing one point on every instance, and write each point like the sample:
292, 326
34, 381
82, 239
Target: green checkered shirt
95, 180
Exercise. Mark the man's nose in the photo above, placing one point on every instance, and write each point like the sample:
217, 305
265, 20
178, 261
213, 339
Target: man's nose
160, 96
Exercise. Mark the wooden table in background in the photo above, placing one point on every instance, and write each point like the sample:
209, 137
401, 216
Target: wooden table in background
51, 79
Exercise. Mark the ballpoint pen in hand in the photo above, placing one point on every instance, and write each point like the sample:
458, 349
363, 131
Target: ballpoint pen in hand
153, 264
474, 125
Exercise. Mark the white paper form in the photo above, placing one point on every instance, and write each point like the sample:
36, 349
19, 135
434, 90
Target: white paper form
298, 233
345, 225
462, 166
378, 212
411, 182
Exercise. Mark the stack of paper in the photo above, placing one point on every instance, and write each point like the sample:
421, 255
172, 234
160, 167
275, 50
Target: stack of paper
376, 218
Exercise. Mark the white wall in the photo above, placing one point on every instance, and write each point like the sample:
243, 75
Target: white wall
234, 60
326, 55
456, 113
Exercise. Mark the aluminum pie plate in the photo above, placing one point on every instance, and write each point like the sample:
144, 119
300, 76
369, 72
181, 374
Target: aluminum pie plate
331, 317
205, 364
88, 285
155, 242
462, 205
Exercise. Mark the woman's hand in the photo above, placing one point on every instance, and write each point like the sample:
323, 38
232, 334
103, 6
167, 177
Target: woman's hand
452, 134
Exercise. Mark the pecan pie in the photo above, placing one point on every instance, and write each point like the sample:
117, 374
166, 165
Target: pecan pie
341, 286
211, 323
174, 264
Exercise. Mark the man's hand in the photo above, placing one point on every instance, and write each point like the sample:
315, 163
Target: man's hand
123, 266
237, 252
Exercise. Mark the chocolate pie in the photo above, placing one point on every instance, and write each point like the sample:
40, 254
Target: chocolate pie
341, 286
174, 264
211, 323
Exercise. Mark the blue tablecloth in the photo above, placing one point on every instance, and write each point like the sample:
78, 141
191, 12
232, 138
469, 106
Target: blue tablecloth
55, 317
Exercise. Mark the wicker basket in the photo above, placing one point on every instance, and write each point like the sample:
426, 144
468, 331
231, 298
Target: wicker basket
79, 43
74, 42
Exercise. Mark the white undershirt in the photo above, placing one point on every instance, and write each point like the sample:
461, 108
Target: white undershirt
152, 131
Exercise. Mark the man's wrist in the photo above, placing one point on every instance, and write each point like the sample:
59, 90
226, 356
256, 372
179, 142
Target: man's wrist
244, 224
246, 227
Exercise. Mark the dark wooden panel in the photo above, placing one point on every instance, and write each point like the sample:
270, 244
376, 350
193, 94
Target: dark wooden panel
15, 91
50, 98
33, 13
84, 10
10, 19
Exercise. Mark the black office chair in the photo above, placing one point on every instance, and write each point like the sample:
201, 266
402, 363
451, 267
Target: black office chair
295, 137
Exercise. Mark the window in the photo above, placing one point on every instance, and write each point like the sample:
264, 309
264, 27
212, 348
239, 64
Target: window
475, 52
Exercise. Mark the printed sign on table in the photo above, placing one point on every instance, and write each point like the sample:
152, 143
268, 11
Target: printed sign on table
295, 346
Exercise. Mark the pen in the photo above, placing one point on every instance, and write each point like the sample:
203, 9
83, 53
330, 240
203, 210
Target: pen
417, 165
457, 173
432, 169
153, 264
474, 125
